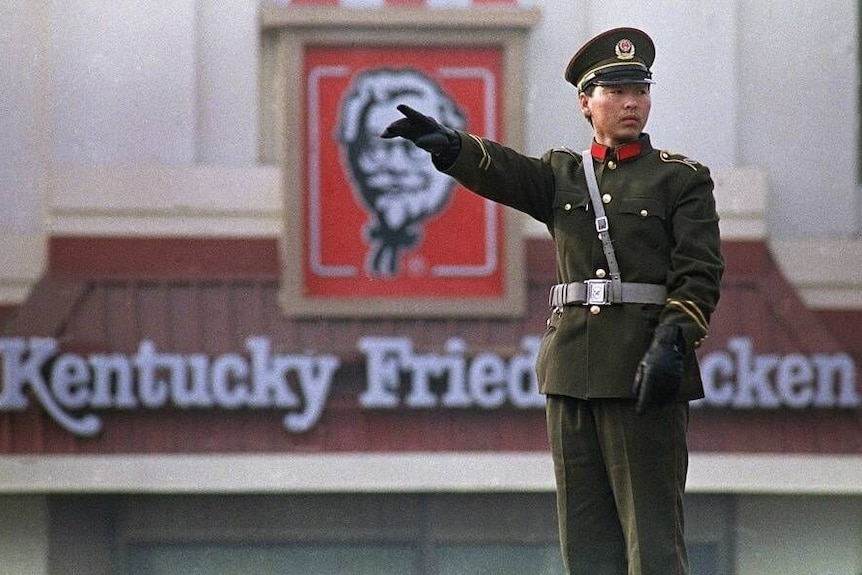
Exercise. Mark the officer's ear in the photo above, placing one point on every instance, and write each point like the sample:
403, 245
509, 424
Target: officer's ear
584, 104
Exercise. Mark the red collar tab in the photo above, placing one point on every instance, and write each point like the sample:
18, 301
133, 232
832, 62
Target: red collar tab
621, 153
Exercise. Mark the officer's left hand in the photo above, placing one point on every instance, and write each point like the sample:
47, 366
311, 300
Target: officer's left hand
659, 373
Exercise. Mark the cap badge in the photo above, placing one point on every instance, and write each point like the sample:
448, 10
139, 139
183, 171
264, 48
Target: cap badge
624, 49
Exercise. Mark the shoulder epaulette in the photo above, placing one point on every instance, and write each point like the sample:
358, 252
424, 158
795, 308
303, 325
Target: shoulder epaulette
565, 150
670, 157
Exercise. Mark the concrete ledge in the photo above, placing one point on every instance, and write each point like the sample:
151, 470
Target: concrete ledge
165, 201
475, 18
289, 473
740, 197
402, 473
779, 474
827, 273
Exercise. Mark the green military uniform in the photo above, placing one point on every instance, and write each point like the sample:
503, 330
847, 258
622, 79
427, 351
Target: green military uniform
620, 476
663, 222
629, 309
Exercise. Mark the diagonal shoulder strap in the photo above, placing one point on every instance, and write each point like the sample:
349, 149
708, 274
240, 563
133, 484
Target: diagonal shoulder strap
602, 224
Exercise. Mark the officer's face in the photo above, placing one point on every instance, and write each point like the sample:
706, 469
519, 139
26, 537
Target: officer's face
619, 113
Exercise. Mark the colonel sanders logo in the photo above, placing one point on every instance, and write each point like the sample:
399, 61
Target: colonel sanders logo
395, 181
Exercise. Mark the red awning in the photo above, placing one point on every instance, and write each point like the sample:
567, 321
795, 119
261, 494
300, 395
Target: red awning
110, 295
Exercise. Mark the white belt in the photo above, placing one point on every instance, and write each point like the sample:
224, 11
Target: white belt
598, 292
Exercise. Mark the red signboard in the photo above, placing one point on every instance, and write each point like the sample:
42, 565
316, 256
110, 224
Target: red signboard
380, 220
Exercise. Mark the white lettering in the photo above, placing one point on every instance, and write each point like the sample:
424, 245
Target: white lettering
193, 390
739, 378
112, 372
717, 372
18, 372
752, 385
455, 365
384, 357
152, 389
522, 381
229, 373
794, 381
268, 373
151, 380
486, 377
69, 382
68, 385
836, 381
315, 381
430, 380
424, 369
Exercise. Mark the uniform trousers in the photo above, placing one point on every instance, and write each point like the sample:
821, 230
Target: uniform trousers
620, 481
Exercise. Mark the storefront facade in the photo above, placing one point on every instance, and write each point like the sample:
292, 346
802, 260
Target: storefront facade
174, 399
157, 421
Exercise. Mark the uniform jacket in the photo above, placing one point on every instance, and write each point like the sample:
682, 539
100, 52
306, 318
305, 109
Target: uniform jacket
661, 212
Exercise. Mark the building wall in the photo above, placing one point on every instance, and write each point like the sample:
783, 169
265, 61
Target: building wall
25, 129
784, 125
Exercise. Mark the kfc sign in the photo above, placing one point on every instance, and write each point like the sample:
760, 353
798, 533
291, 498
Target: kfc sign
73, 388
68, 384
381, 220
485, 381
378, 228
393, 180
149, 379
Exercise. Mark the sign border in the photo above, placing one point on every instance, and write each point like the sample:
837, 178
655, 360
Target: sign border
292, 32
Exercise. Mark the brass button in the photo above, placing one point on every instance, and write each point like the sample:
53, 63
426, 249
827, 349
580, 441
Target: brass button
612, 165
595, 310
600, 273
567, 207
606, 199
644, 213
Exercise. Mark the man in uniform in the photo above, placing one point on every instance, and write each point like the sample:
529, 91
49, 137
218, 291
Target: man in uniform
639, 267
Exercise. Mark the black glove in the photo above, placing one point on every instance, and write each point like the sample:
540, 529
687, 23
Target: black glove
659, 373
427, 133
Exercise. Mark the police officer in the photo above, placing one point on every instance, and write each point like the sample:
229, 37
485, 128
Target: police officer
639, 266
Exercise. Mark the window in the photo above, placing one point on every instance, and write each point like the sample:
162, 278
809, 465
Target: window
373, 534
399, 534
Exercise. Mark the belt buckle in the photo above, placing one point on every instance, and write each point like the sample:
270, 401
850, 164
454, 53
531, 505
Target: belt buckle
598, 292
